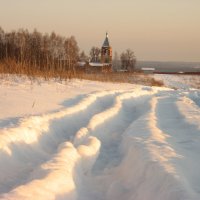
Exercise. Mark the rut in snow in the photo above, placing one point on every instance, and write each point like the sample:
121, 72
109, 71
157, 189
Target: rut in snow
129, 144
94, 183
36, 140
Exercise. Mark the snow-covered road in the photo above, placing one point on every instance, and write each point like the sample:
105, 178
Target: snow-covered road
131, 143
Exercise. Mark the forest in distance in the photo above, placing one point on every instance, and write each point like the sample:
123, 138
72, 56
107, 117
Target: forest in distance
35, 51
52, 52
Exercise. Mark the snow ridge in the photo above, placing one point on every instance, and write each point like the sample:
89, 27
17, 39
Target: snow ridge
30, 134
116, 144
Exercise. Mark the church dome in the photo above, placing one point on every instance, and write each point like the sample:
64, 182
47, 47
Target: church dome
106, 41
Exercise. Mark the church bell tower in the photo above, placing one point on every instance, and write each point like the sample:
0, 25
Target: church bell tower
106, 52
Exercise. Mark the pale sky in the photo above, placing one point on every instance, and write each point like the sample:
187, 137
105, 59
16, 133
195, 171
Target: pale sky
163, 30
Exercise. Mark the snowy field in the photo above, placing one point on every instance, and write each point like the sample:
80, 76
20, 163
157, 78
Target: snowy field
180, 81
99, 141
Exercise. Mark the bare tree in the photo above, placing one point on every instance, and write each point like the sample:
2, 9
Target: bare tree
71, 52
95, 53
128, 60
2, 43
83, 57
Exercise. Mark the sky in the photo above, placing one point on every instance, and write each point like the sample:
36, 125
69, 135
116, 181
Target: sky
156, 30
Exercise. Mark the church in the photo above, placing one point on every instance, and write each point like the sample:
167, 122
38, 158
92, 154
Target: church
106, 52
105, 62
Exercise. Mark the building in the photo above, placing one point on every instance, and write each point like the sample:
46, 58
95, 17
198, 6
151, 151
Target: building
106, 52
104, 64
148, 70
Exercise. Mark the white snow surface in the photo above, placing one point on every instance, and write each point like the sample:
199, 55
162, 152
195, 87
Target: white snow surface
85, 140
180, 81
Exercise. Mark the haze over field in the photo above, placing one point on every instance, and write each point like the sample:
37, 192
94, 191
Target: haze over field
170, 67
155, 30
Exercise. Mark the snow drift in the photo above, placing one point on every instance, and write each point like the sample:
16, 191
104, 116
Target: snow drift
137, 143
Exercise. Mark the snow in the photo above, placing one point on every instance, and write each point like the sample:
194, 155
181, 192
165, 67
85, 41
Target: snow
96, 64
180, 81
88, 140
21, 97
148, 68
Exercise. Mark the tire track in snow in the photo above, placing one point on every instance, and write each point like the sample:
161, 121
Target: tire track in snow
157, 165
181, 122
109, 127
87, 151
24, 148
195, 97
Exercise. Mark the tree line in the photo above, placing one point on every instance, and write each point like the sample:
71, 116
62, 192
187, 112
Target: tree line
37, 50
52, 52
126, 61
